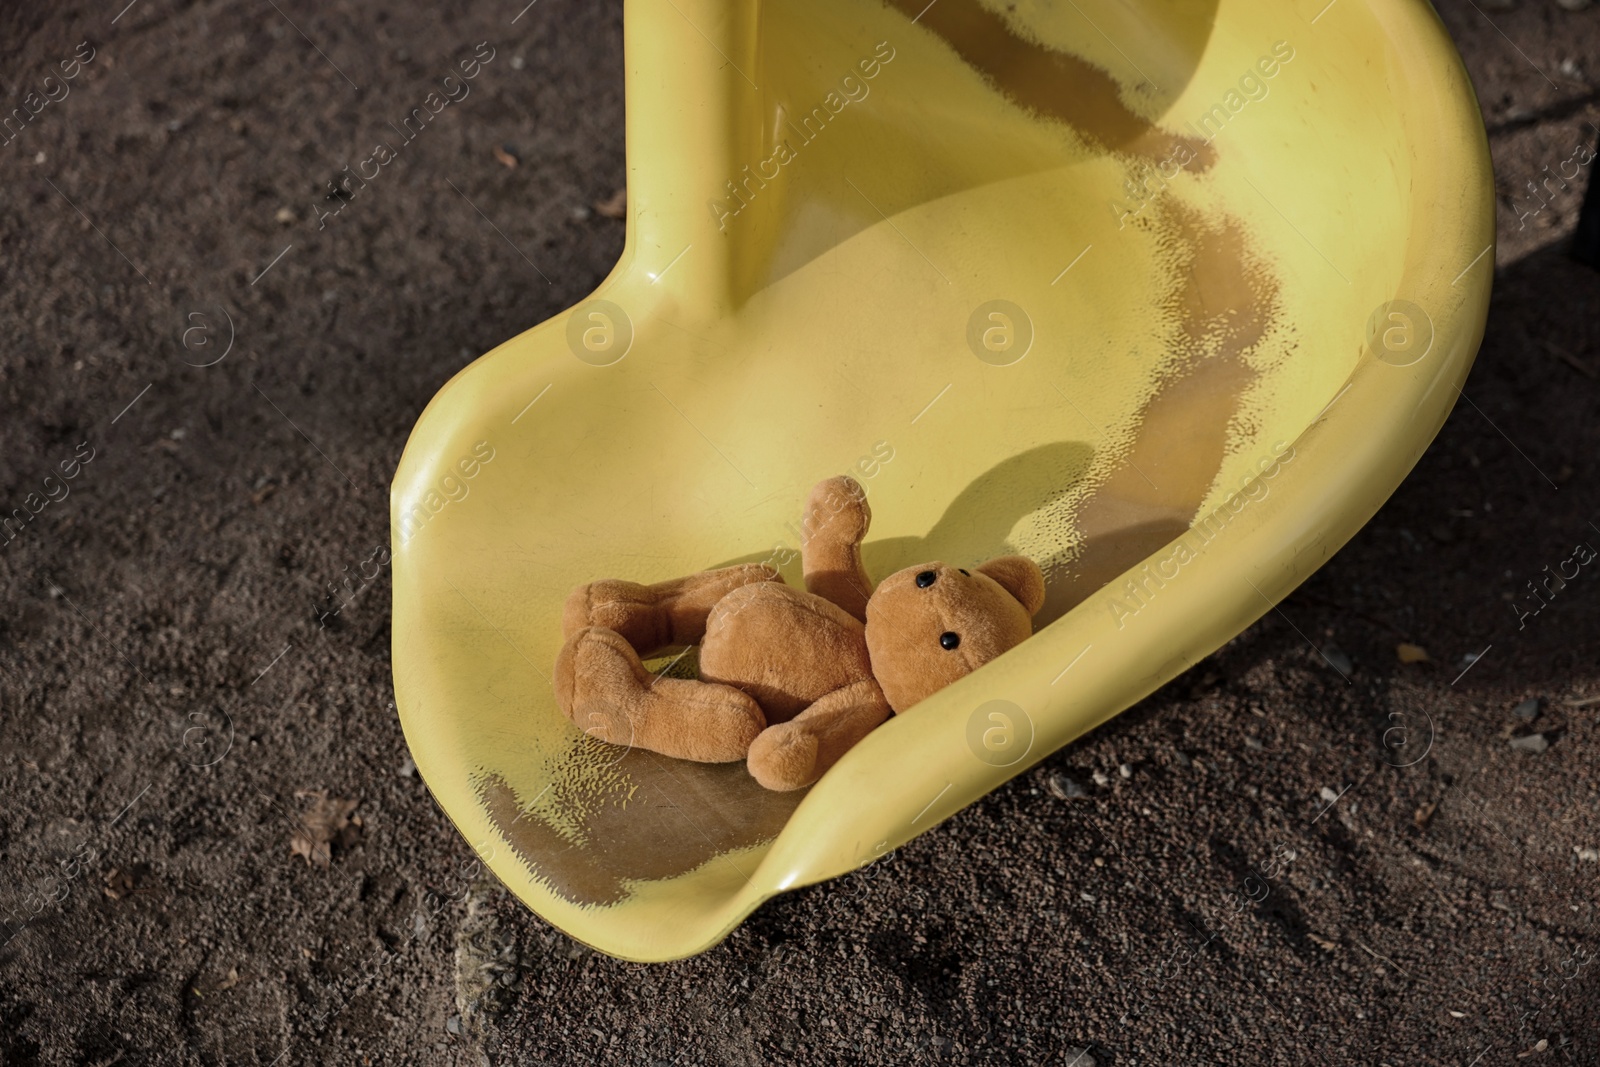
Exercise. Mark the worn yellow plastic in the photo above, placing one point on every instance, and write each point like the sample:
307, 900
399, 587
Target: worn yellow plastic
1234, 307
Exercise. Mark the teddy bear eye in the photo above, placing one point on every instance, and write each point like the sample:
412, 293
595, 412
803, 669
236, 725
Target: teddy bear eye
964, 570
949, 640
926, 578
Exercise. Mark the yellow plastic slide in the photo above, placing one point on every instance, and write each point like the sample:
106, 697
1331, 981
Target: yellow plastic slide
1168, 296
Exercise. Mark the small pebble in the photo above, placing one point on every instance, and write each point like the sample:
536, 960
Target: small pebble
1531, 743
453, 1024
1100, 780
1588, 855
1528, 709
286, 217
1336, 658
1183, 761
408, 768
1079, 1057
1064, 788
1125, 770
517, 63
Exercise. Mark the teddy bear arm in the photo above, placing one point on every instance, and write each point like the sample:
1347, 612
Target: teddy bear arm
796, 753
835, 524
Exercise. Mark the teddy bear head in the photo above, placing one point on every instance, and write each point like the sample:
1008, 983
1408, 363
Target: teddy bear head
931, 624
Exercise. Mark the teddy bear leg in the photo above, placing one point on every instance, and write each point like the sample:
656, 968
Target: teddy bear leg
653, 617
606, 691
793, 754
835, 524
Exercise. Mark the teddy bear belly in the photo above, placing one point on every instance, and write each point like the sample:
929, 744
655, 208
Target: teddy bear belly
785, 647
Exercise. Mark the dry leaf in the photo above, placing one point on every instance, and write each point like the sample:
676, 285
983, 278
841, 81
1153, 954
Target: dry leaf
616, 207
1409, 653
230, 981
1323, 943
126, 882
1424, 814
505, 158
325, 825
119, 883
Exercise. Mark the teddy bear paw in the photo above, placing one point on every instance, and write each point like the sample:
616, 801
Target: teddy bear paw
837, 511
596, 678
606, 691
784, 757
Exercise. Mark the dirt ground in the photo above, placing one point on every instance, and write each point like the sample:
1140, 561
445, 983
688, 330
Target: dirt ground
1229, 873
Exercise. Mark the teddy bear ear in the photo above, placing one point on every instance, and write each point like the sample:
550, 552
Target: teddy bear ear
1019, 576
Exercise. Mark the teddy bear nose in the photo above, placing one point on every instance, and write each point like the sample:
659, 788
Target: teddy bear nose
926, 578
949, 641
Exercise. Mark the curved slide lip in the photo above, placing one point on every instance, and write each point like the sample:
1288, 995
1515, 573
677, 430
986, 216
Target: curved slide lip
1080, 671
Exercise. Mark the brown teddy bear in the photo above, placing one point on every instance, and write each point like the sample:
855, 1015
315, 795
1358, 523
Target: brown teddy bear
789, 680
